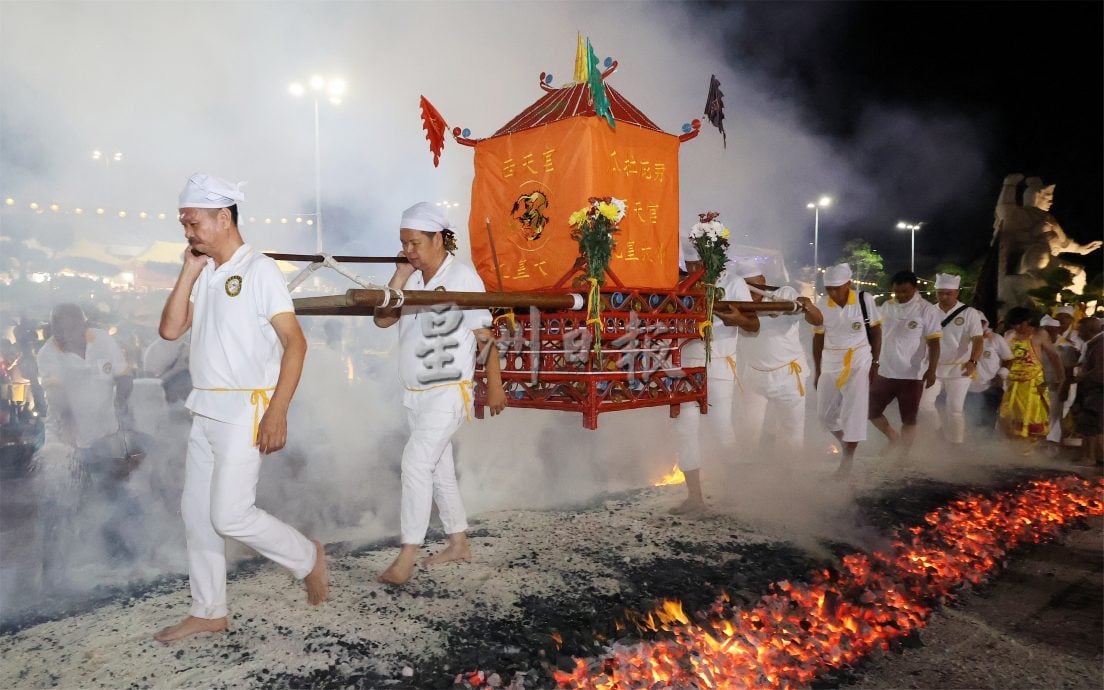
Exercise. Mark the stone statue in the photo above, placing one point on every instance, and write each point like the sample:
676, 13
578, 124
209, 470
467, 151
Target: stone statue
1031, 241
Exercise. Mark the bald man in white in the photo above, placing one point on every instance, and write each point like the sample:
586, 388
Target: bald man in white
247, 355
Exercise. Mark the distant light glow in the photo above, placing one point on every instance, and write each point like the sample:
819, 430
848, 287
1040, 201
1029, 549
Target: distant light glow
143, 215
55, 208
317, 82
78, 211
296, 89
824, 201
99, 212
122, 214
9, 201
34, 205
160, 216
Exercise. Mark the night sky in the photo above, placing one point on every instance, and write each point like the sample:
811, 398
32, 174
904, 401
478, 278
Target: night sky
1027, 74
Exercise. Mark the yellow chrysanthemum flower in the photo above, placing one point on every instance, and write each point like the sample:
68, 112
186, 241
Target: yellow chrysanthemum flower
578, 217
725, 233
608, 211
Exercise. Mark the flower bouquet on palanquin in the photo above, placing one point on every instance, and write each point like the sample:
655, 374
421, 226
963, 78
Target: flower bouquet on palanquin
710, 238
593, 228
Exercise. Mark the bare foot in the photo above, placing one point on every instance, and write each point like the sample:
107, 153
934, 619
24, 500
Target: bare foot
402, 568
318, 580
190, 626
689, 506
457, 549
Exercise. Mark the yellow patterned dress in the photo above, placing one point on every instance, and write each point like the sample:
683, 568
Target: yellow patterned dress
1023, 409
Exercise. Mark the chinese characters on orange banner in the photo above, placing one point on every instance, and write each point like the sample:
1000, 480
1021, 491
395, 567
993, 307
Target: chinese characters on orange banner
509, 166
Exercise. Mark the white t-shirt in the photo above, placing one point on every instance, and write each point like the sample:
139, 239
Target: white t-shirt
86, 386
777, 343
844, 330
235, 349
957, 334
995, 350
437, 344
907, 328
725, 338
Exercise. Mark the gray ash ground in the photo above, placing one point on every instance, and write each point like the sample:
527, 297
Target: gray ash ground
536, 576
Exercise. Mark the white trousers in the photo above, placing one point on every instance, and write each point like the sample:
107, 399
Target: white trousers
428, 472
955, 388
719, 421
1055, 413
845, 409
220, 491
773, 401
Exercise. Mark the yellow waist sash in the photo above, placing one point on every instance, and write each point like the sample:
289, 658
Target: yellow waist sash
465, 387
258, 399
846, 373
796, 370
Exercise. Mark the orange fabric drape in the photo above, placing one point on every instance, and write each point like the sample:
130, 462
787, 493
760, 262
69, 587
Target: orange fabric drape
529, 183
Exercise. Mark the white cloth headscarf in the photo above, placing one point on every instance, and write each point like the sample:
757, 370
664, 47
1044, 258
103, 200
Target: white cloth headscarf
426, 217
837, 275
947, 281
207, 191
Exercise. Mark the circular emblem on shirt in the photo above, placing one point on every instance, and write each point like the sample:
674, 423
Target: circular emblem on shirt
107, 367
233, 285
856, 325
959, 321
912, 324
986, 354
439, 288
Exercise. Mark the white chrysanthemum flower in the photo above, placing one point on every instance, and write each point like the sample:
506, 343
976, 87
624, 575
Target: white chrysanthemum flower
620, 208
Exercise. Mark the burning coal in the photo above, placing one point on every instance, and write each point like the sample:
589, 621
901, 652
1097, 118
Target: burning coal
799, 631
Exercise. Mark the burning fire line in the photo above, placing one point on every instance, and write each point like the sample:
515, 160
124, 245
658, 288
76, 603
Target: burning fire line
674, 477
798, 632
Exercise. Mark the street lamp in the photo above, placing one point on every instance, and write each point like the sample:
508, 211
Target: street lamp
107, 158
334, 90
912, 228
822, 202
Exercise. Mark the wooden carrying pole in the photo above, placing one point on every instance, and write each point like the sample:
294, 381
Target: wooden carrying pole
363, 302
318, 258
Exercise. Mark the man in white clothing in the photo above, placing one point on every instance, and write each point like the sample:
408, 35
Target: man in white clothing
721, 382
910, 354
987, 386
437, 355
845, 349
247, 355
958, 357
773, 370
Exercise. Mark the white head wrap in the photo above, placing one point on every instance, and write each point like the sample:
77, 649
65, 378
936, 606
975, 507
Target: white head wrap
208, 191
837, 275
1066, 309
745, 268
1049, 321
786, 293
426, 217
947, 281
